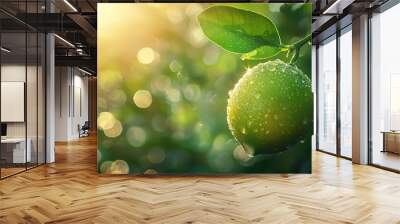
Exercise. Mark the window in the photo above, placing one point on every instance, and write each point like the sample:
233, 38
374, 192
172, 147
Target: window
346, 92
327, 96
385, 89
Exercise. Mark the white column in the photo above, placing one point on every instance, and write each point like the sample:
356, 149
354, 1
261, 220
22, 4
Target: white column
360, 90
50, 100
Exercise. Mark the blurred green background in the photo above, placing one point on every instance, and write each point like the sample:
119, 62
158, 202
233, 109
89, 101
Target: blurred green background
163, 89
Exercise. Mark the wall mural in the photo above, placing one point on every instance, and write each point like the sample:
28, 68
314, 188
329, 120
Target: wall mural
204, 88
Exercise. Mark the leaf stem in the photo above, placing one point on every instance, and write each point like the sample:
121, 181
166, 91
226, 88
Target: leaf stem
295, 48
301, 42
295, 56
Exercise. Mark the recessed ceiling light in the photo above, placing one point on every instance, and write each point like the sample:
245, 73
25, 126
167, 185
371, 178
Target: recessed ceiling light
70, 5
337, 7
5, 50
332, 9
64, 40
84, 71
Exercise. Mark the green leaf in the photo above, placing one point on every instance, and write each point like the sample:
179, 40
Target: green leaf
237, 30
263, 52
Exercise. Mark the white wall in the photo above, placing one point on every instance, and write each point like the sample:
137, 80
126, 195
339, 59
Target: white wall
16, 73
80, 111
62, 81
71, 94
12, 73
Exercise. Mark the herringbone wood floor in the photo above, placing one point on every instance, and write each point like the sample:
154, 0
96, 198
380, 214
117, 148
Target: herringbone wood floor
70, 191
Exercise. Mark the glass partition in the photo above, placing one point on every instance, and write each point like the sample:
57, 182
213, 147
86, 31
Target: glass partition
327, 95
14, 153
22, 88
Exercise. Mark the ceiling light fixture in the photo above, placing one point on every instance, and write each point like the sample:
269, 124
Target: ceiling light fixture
5, 50
333, 8
70, 5
337, 7
64, 40
84, 71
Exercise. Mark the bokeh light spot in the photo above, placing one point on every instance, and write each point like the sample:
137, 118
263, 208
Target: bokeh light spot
192, 92
173, 95
142, 99
150, 171
146, 55
160, 83
106, 120
156, 155
98, 156
118, 97
136, 136
219, 141
114, 131
105, 167
175, 66
109, 124
119, 167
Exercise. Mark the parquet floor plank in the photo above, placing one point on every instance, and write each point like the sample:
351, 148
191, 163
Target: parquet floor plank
70, 191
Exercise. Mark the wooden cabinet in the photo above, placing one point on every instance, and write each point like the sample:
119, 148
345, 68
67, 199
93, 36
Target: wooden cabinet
391, 142
13, 151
